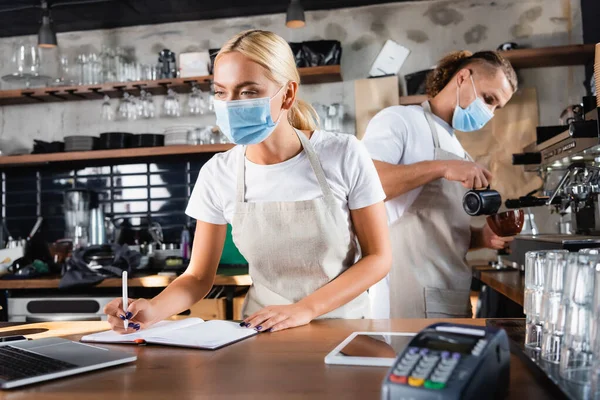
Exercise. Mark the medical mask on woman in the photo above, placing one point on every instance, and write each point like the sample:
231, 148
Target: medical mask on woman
472, 118
246, 121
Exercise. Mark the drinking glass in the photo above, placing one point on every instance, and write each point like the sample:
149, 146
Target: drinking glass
195, 103
124, 109
551, 301
81, 61
107, 57
95, 69
171, 107
535, 269
26, 59
147, 105
107, 114
595, 378
577, 306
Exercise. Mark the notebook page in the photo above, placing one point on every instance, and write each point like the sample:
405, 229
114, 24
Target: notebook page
209, 335
161, 328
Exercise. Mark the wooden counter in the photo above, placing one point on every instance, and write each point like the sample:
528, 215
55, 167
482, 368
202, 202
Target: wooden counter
282, 365
150, 281
509, 283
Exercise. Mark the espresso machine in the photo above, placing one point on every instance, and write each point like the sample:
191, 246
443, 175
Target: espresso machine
77, 215
567, 158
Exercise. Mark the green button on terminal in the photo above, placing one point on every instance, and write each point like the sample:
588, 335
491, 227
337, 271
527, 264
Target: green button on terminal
434, 385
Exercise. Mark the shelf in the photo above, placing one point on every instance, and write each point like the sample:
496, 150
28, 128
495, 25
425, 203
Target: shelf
311, 75
577, 54
413, 100
33, 159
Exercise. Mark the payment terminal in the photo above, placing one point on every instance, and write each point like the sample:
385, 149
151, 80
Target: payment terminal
450, 361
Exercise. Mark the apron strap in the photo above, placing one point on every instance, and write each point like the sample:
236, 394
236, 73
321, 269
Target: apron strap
431, 122
241, 184
313, 159
432, 127
317, 169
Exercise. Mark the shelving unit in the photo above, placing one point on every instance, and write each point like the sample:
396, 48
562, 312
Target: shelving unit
35, 159
311, 75
558, 56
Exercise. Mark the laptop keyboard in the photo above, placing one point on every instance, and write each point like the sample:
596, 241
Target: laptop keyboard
19, 364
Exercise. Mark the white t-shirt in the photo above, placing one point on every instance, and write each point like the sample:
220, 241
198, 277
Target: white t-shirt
401, 135
348, 168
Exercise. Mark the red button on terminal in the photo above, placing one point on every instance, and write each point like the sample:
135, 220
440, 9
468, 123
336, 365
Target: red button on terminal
398, 379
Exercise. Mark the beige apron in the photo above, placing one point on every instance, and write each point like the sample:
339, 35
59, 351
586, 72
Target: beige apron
294, 248
430, 277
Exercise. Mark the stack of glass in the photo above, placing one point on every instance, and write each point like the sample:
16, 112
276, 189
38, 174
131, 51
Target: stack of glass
569, 317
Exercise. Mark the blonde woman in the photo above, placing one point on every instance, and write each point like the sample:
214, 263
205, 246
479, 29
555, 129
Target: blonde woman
298, 199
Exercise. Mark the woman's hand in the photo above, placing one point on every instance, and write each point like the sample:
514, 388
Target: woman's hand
490, 240
277, 318
140, 314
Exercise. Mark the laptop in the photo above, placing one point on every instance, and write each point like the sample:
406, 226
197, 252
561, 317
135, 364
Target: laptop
26, 362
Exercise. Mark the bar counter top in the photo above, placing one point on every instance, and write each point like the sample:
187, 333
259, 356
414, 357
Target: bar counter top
281, 365
510, 283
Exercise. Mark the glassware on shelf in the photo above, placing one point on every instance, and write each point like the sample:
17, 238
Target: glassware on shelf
171, 106
149, 72
147, 109
195, 136
108, 61
196, 103
107, 113
25, 66
127, 109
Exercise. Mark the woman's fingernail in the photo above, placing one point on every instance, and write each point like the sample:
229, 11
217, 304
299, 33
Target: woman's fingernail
269, 330
248, 325
242, 323
122, 317
258, 328
131, 325
137, 327
128, 315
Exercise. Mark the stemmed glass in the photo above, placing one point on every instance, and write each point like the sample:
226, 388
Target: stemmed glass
196, 103
171, 107
127, 108
107, 113
147, 109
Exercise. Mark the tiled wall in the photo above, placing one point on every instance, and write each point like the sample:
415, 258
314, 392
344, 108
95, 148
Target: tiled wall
143, 192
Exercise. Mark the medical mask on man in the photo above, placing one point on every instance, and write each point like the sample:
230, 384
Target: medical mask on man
246, 121
472, 118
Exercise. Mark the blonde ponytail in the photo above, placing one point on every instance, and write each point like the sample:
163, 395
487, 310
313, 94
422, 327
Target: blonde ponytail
303, 116
274, 54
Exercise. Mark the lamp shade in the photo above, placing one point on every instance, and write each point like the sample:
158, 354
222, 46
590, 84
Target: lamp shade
46, 34
295, 15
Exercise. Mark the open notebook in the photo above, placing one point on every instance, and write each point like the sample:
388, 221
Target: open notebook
190, 332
